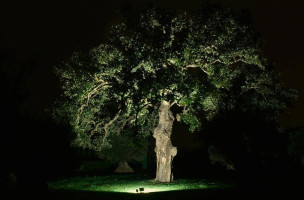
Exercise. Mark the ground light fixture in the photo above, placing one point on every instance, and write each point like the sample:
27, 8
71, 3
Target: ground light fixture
140, 190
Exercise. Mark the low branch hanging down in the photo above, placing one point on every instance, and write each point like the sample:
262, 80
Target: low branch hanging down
94, 91
107, 125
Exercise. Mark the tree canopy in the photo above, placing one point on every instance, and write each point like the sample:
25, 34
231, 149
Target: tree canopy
202, 62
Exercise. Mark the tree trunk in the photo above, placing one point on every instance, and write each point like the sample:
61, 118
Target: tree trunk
165, 152
123, 167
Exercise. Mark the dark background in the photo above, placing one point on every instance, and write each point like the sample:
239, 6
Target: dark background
36, 35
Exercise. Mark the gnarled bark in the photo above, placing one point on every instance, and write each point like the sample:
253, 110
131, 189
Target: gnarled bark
165, 152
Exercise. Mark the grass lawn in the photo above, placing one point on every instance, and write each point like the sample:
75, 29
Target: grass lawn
124, 187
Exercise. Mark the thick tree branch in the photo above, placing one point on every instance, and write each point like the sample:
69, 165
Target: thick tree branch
256, 88
95, 129
197, 66
124, 124
106, 127
89, 95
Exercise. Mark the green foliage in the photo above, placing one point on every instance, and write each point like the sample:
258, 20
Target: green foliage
205, 63
191, 120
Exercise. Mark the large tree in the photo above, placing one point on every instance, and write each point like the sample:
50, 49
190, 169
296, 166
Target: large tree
200, 63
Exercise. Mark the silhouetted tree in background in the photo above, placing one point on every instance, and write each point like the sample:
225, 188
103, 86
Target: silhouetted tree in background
296, 144
30, 151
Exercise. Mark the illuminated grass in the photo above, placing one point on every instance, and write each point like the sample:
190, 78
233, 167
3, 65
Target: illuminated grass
129, 184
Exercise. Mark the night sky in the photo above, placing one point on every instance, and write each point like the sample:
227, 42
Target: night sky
46, 32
